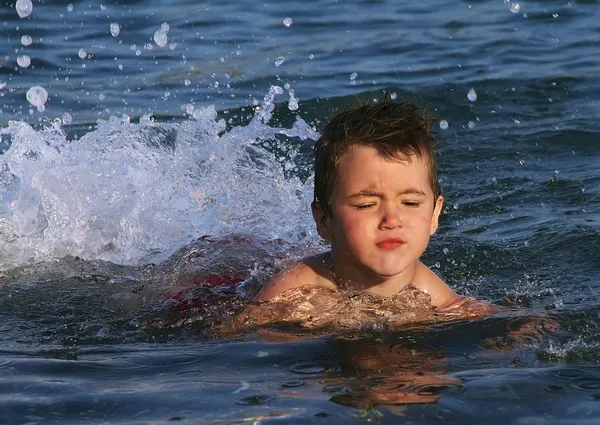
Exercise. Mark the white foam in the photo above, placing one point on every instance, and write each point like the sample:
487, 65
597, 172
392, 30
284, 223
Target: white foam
134, 193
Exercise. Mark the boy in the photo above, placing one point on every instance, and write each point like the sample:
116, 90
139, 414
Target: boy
377, 202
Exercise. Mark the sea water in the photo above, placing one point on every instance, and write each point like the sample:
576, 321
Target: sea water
150, 146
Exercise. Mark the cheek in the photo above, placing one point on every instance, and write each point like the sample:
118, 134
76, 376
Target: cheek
423, 223
352, 227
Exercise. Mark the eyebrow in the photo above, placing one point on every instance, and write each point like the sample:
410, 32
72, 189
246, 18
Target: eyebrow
374, 194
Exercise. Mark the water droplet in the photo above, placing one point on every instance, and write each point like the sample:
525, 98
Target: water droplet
471, 125
293, 103
120, 67
472, 95
138, 52
115, 29
517, 122
187, 82
24, 8
444, 125
393, 95
37, 96
198, 113
67, 118
288, 22
446, 251
165, 27
24, 61
70, 7
311, 56
160, 38
353, 75
26, 40
189, 109
555, 15
515, 8
279, 61
82, 53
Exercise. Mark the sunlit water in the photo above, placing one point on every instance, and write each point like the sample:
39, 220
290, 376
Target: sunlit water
152, 150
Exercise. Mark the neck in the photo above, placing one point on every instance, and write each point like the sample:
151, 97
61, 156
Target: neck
348, 274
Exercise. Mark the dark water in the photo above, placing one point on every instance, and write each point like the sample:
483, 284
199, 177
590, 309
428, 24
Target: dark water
100, 220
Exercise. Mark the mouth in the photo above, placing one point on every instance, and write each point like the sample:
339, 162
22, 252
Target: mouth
391, 243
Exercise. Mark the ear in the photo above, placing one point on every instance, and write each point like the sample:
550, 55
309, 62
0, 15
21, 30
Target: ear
321, 220
437, 210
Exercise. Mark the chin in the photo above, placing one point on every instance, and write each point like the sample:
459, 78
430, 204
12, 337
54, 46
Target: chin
388, 274
390, 270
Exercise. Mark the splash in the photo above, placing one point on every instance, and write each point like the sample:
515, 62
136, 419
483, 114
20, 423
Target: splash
133, 193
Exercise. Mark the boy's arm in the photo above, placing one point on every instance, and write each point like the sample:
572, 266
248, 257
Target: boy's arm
294, 277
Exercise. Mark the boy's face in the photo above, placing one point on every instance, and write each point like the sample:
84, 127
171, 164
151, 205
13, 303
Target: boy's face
383, 214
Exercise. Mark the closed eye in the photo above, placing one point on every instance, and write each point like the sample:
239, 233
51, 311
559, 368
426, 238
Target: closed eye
364, 207
411, 204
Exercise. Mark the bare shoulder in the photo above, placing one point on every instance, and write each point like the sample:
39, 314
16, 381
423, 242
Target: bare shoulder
311, 271
442, 295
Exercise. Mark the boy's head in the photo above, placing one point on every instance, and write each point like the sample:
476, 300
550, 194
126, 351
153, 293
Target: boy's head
377, 198
398, 131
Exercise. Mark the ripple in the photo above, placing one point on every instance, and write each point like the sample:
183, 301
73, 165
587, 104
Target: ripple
195, 373
255, 400
6, 363
588, 384
434, 389
517, 376
313, 368
334, 389
568, 373
143, 361
556, 389
292, 384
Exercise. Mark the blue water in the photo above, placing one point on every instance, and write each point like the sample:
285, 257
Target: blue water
140, 150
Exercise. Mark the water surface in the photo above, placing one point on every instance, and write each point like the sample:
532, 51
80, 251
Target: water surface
140, 151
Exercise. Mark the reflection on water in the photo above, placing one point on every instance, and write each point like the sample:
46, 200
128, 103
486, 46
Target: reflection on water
382, 374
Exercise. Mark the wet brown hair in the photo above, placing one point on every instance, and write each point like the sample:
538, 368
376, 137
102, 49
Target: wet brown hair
398, 130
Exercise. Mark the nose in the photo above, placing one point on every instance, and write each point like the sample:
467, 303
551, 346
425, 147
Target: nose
391, 217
